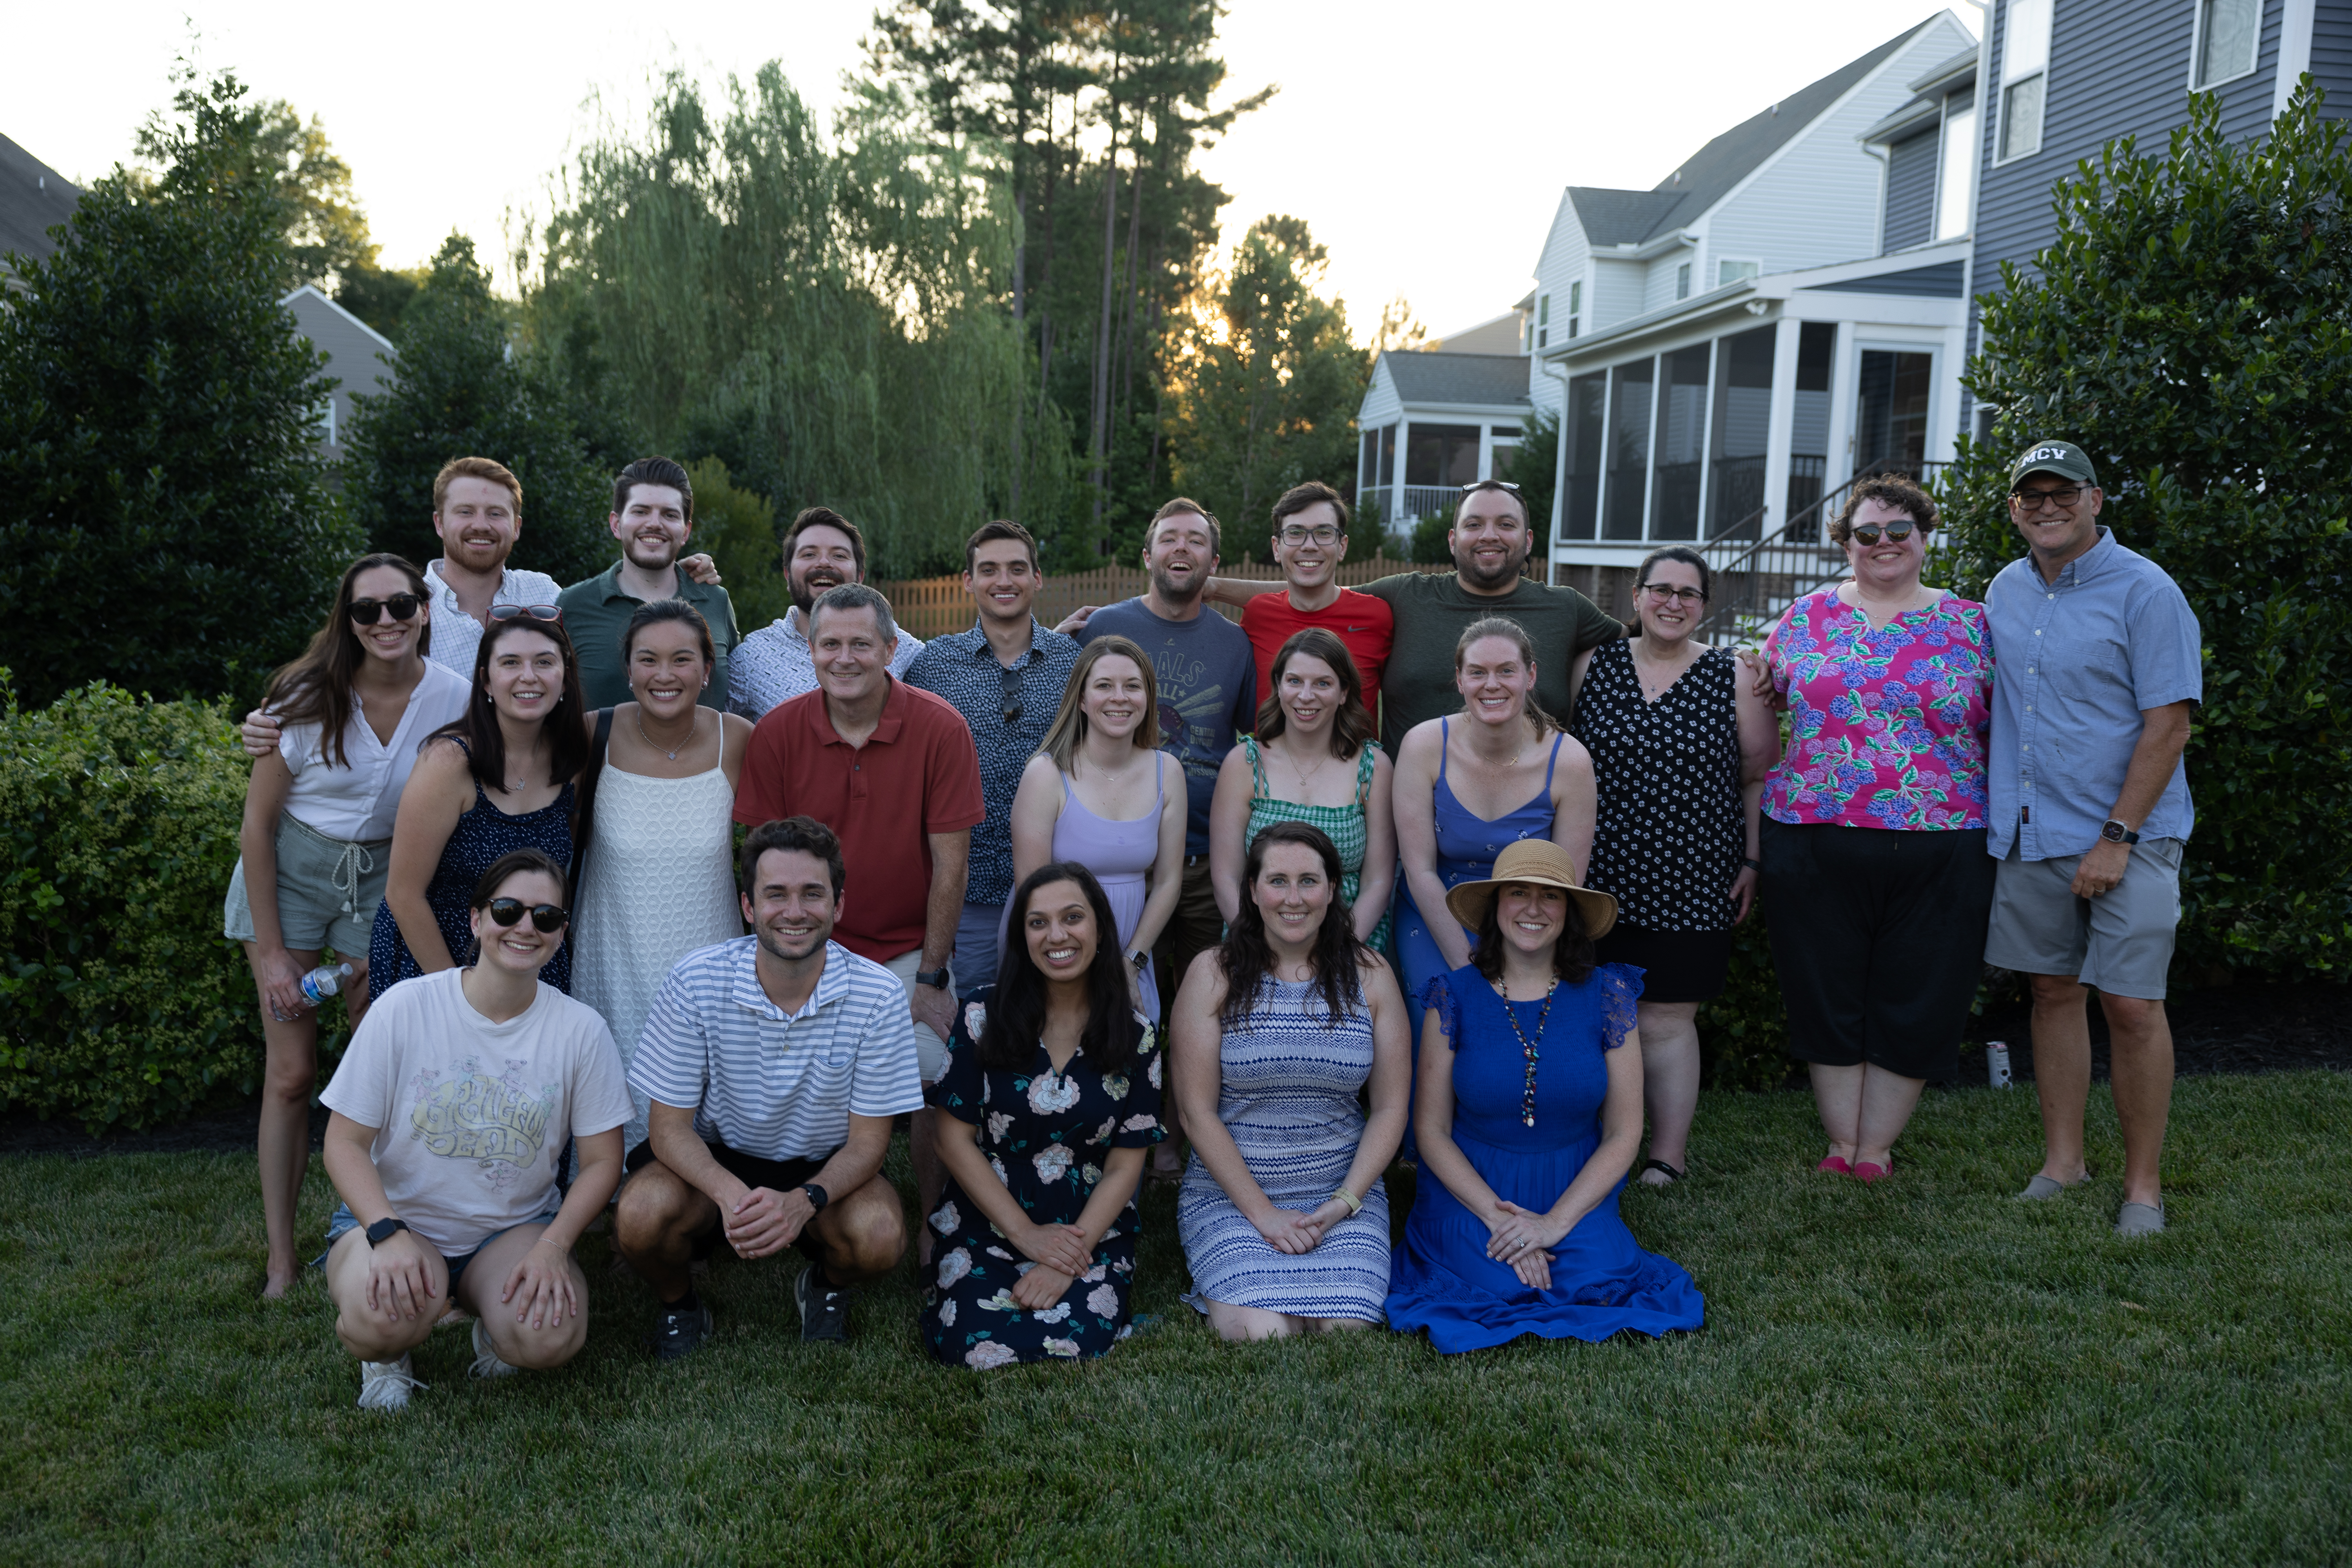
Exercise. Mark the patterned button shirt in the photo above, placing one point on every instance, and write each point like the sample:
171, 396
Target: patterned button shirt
963, 670
769, 1084
774, 665
456, 635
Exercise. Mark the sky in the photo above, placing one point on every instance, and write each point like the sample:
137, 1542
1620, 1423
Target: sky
1424, 144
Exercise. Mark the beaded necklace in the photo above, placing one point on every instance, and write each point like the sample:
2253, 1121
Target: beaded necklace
1528, 1046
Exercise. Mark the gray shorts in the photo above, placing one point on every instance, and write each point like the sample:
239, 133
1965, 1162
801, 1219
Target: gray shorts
2121, 942
327, 891
930, 1051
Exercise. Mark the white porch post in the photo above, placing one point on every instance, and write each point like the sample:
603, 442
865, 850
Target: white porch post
1779, 424
1844, 387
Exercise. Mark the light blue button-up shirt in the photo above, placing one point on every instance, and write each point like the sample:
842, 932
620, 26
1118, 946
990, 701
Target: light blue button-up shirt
2080, 659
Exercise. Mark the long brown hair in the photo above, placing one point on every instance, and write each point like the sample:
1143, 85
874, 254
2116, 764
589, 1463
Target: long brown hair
485, 744
1511, 631
316, 689
1016, 1010
1352, 725
1069, 732
1247, 957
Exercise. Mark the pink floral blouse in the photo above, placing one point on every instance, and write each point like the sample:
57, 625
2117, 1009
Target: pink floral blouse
1887, 729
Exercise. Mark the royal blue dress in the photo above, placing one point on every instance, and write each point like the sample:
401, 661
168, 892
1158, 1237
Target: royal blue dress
1602, 1281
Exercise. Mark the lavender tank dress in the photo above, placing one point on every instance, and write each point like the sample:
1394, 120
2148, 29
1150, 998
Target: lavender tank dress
1120, 855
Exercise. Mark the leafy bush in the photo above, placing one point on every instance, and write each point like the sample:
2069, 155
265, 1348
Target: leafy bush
2191, 329
1743, 1034
121, 1002
738, 528
164, 516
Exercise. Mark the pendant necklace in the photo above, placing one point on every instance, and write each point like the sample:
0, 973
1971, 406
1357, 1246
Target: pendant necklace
1528, 1046
655, 745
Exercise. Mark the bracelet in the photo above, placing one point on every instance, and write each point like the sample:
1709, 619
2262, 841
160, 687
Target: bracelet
1355, 1204
1752, 863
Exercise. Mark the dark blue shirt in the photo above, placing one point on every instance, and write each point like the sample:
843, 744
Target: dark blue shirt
1207, 677
962, 668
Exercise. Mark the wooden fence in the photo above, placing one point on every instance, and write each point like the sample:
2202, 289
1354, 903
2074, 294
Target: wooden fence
935, 607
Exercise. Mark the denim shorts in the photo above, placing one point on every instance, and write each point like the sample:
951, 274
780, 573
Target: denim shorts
327, 891
343, 1222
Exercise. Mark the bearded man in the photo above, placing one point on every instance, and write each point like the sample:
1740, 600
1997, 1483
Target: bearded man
774, 665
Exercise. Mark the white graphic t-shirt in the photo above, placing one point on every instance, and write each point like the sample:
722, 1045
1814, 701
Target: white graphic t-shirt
471, 1116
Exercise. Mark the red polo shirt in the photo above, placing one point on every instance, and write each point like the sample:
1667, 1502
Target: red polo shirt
1366, 625
917, 773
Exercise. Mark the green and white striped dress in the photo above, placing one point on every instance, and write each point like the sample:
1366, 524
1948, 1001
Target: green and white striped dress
1342, 825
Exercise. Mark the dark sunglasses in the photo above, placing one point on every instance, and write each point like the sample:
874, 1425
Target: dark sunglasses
546, 917
1868, 535
404, 607
1012, 698
535, 612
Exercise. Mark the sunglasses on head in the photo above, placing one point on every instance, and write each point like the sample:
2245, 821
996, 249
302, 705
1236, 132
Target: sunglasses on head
546, 917
1866, 534
404, 607
535, 612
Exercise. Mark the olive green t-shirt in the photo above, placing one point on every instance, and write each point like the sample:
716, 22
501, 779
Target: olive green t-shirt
1432, 612
596, 614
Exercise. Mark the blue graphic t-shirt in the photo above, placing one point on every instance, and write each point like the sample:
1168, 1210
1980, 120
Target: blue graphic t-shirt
471, 1116
1208, 680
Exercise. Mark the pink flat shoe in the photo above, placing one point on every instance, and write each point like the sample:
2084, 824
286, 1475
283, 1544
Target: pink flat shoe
1867, 1172
1835, 1165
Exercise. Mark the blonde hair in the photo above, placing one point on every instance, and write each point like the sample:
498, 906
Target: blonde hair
1511, 631
473, 469
1069, 732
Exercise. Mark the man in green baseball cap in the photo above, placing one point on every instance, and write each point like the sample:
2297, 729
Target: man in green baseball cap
2088, 812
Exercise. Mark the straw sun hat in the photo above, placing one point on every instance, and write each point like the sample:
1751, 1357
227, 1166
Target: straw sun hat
1538, 862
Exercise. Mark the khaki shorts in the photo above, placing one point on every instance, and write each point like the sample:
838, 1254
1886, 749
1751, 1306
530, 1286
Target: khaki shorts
931, 1050
327, 891
2120, 943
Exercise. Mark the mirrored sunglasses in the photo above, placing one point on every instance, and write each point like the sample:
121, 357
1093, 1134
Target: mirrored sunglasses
535, 612
1868, 536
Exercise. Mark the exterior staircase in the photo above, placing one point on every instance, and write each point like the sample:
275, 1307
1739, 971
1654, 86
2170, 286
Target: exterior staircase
1757, 576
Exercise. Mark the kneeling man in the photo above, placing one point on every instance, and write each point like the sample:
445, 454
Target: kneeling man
775, 1064
451, 1109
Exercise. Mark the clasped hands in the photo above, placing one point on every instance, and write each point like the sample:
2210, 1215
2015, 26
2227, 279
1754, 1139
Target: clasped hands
1061, 1252
764, 1221
1292, 1232
1524, 1239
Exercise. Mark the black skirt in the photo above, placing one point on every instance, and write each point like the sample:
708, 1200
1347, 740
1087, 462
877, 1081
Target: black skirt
1676, 965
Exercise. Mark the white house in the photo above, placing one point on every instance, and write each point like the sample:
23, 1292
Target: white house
1435, 420
1779, 312
358, 356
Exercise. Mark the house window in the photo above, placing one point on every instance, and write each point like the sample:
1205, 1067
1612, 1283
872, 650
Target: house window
1632, 390
1955, 190
1442, 455
2228, 33
1580, 432
1681, 443
325, 424
1682, 281
1736, 271
1502, 445
1741, 429
1575, 307
2025, 77
1543, 319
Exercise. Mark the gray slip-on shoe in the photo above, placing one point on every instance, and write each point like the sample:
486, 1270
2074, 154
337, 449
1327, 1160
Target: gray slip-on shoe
2042, 1187
2140, 1219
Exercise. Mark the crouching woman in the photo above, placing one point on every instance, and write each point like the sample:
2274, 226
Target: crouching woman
451, 1109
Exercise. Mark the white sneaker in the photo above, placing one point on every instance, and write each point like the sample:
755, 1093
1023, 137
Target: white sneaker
384, 1384
485, 1356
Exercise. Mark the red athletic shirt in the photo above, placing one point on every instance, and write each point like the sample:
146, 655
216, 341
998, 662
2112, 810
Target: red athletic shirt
1365, 624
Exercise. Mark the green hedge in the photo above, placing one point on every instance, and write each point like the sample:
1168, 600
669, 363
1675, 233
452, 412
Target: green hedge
121, 1003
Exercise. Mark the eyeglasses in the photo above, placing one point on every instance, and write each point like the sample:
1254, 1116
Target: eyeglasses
546, 917
367, 612
1322, 533
1665, 591
2030, 500
535, 612
1490, 485
1012, 696
1868, 535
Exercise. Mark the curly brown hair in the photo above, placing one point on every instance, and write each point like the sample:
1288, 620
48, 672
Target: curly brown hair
1897, 491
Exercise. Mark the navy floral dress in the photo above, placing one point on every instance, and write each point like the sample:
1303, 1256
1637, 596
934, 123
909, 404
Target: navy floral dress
1048, 1136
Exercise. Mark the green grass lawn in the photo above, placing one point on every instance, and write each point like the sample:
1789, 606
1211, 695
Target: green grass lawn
1921, 1372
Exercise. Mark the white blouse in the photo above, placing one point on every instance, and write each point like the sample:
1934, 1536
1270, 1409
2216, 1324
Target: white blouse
358, 801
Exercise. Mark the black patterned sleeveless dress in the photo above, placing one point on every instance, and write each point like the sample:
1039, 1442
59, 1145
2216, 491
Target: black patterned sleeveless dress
1670, 833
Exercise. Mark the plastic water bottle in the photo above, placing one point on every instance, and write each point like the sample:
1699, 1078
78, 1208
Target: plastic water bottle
1997, 1063
324, 982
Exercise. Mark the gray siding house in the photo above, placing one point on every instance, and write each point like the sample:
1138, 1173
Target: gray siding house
34, 198
359, 359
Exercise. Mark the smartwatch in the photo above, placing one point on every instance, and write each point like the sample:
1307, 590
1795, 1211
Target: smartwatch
2115, 832
383, 1230
1139, 957
938, 977
817, 1195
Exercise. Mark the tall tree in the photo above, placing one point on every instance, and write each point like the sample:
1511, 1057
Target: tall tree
267, 145
1269, 384
159, 480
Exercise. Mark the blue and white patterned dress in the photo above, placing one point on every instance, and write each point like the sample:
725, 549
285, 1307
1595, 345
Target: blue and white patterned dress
1291, 1076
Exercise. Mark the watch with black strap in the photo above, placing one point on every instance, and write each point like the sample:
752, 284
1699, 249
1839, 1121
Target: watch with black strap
817, 1196
2115, 832
383, 1230
934, 977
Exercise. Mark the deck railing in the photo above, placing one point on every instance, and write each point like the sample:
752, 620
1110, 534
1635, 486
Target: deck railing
1756, 579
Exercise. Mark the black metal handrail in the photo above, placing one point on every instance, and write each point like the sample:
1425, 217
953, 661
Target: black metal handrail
1757, 578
